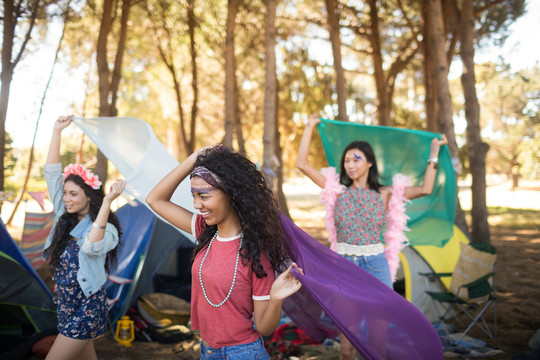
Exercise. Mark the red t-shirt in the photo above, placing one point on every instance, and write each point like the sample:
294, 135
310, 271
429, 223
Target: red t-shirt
231, 323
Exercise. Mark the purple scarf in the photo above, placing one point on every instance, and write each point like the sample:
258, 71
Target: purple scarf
339, 296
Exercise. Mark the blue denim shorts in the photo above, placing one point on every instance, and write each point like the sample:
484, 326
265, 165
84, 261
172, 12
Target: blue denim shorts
376, 265
250, 351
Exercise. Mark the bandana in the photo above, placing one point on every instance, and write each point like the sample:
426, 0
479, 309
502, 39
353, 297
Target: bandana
212, 179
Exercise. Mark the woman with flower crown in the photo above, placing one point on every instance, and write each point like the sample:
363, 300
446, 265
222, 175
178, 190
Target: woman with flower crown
236, 296
81, 248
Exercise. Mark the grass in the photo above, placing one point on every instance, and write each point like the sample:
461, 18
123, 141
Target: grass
506, 217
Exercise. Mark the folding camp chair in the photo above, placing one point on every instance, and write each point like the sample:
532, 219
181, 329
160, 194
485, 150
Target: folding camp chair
472, 289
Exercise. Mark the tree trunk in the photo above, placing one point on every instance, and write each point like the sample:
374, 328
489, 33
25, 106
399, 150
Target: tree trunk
109, 83
182, 141
270, 96
9, 62
383, 108
192, 24
280, 195
476, 148
238, 120
230, 74
437, 43
335, 40
430, 101
7, 76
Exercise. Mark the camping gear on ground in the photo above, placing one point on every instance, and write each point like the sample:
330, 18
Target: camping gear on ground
145, 331
165, 309
26, 304
125, 331
472, 288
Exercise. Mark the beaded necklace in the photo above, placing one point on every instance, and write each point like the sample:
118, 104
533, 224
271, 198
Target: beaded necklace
234, 276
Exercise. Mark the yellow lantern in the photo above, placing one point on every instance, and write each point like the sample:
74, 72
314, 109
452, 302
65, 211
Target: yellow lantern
125, 331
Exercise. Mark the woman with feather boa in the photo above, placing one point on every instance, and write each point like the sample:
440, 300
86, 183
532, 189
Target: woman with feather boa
358, 207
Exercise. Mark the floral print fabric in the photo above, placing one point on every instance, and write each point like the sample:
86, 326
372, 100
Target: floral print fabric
359, 216
79, 317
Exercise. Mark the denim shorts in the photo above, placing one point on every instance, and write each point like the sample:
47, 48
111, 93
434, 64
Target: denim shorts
250, 351
376, 265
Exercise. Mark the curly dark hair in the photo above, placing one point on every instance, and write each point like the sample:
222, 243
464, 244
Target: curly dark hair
255, 205
68, 221
373, 174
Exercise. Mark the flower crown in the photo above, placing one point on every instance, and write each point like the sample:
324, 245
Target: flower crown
88, 177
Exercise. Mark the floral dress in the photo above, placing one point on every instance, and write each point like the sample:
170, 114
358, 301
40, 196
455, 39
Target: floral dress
79, 317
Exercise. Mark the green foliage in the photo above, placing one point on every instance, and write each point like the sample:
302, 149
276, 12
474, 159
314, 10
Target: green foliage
493, 24
510, 115
305, 73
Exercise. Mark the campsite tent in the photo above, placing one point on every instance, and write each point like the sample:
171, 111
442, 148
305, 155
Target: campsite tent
26, 304
153, 257
426, 259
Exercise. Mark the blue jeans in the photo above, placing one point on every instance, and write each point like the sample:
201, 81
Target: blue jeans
376, 265
250, 351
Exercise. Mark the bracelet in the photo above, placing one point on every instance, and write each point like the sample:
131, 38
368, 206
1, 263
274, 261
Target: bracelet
434, 161
99, 226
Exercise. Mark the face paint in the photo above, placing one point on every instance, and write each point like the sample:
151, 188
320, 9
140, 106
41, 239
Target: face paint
357, 157
202, 188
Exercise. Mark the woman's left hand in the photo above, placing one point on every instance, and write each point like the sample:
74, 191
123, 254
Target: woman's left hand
436, 144
117, 188
285, 284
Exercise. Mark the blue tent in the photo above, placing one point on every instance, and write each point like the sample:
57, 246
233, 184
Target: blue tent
153, 257
26, 304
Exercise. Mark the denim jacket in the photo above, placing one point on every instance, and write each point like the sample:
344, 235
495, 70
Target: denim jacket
92, 255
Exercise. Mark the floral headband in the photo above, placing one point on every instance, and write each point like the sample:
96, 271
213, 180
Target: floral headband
88, 177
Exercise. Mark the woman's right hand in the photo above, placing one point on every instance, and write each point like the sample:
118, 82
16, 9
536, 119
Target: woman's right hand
193, 157
314, 120
62, 122
116, 190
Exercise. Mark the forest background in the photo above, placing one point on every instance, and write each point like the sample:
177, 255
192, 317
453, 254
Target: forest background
248, 73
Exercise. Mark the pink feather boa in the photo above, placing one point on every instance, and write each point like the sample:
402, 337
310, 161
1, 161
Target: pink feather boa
329, 194
396, 223
396, 219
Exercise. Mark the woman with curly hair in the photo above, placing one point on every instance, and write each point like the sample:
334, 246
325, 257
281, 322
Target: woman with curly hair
81, 248
241, 244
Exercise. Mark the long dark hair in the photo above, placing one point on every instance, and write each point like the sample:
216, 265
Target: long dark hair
68, 221
373, 174
255, 205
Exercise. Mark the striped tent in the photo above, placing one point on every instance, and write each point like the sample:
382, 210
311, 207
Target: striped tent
37, 227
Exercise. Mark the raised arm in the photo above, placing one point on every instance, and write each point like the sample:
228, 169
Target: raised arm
413, 192
53, 157
159, 198
302, 162
100, 223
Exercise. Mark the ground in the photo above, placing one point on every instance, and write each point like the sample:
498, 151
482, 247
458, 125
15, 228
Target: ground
515, 232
